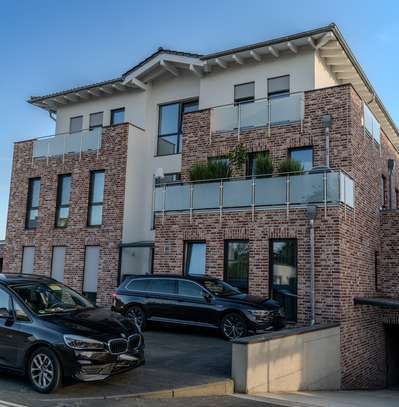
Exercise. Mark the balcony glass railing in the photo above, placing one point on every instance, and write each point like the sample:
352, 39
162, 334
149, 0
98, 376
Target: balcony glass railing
284, 190
260, 113
68, 143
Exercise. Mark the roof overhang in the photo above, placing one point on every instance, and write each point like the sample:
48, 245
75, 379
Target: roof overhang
390, 303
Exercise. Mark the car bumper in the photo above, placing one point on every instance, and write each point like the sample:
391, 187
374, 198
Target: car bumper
103, 365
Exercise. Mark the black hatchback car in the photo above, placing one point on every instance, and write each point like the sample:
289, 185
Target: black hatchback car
49, 332
198, 301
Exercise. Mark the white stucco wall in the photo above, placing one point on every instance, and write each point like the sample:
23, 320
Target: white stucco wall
217, 88
324, 77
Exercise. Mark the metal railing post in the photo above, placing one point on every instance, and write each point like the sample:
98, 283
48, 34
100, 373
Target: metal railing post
287, 192
239, 121
325, 194
253, 198
220, 201
191, 201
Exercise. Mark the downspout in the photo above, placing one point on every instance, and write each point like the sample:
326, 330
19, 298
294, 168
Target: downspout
327, 121
311, 212
51, 113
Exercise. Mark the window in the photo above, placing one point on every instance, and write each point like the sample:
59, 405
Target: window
20, 314
222, 159
91, 270
96, 198
251, 162
28, 258
32, 212
163, 286
189, 289
117, 116
96, 120
76, 124
236, 259
63, 201
244, 93
57, 263
383, 188
195, 256
4, 304
139, 285
168, 178
170, 126
278, 87
283, 275
304, 156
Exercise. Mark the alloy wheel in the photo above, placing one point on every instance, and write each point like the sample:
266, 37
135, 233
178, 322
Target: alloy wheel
234, 327
136, 314
42, 370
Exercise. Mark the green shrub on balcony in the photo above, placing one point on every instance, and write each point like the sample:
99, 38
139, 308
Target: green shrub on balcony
263, 164
290, 166
210, 170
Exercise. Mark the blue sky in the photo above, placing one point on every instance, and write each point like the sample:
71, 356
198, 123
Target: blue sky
52, 45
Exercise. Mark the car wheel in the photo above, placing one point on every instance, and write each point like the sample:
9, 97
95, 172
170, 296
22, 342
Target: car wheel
44, 370
233, 326
135, 312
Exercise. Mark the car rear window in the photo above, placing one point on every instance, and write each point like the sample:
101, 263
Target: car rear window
163, 286
138, 285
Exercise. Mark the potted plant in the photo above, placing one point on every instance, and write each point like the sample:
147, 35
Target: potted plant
263, 164
289, 166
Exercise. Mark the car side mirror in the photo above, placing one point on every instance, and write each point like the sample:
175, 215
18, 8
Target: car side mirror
6, 314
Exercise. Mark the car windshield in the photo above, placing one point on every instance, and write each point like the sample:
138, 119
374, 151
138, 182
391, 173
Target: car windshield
220, 288
50, 298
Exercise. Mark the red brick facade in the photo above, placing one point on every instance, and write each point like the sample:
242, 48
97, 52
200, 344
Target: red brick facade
347, 240
76, 236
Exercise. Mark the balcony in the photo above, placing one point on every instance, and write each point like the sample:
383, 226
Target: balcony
68, 143
318, 188
260, 113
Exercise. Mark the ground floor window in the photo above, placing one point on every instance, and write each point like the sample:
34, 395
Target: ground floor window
91, 271
194, 258
236, 263
57, 263
283, 275
136, 258
28, 259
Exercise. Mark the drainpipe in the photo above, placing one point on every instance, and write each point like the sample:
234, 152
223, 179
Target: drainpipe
327, 121
311, 212
51, 113
391, 167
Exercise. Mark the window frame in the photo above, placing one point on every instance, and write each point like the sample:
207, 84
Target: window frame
29, 204
91, 202
226, 261
89, 294
59, 205
271, 262
185, 256
113, 112
291, 149
98, 125
178, 135
70, 124
282, 93
243, 100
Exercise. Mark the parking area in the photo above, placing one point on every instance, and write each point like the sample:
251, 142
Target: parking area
175, 357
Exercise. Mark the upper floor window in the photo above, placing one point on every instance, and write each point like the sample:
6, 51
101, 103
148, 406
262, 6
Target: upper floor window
96, 120
277, 87
170, 126
96, 198
244, 93
117, 116
304, 156
76, 124
32, 212
63, 200
252, 160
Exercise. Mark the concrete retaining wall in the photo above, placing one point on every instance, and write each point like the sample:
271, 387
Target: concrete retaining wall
289, 360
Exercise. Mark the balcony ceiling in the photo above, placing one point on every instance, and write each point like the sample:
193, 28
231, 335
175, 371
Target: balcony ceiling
327, 41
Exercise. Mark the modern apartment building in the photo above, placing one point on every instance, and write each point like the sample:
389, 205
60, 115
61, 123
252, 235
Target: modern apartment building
111, 193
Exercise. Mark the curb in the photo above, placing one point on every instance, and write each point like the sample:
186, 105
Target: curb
221, 388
